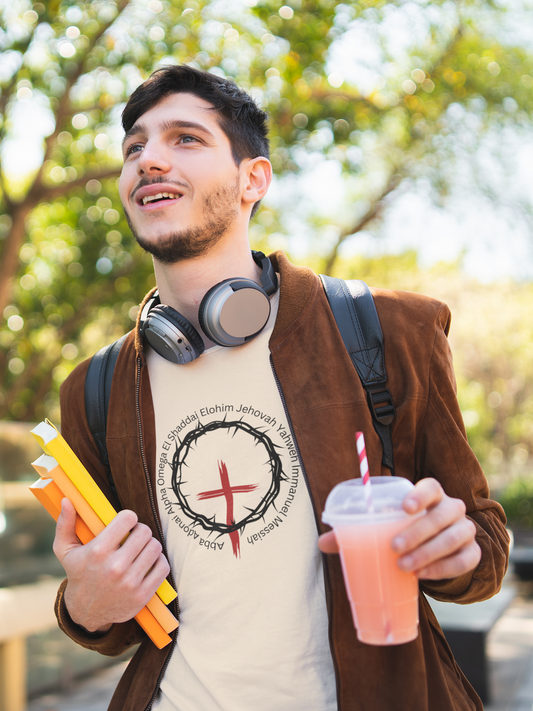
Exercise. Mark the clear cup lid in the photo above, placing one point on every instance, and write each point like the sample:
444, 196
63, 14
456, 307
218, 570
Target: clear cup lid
348, 499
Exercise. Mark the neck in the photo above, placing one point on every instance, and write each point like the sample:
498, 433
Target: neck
184, 284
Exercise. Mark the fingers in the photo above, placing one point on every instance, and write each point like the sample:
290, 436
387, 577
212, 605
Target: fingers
126, 554
139, 554
151, 566
462, 561
113, 576
117, 531
440, 543
430, 524
155, 576
426, 494
449, 553
328, 543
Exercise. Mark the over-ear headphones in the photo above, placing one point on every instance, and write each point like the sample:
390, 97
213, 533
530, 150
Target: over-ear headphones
230, 314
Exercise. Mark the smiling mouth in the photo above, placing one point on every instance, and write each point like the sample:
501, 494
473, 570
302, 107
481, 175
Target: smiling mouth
159, 197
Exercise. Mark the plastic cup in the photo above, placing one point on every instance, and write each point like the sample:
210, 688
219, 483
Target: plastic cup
384, 598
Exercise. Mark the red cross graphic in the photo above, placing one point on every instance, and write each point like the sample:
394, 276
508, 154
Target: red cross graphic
227, 491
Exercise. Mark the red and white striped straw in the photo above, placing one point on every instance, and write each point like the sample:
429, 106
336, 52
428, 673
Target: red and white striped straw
363, 467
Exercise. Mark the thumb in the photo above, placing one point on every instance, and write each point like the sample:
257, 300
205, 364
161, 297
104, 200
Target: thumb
328, 543
65, 538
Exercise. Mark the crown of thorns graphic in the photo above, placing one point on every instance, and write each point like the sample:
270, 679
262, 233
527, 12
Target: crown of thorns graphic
179, 466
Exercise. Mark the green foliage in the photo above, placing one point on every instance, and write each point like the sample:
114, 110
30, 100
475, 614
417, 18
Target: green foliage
70, 273
517, 500
492, 345
78, 289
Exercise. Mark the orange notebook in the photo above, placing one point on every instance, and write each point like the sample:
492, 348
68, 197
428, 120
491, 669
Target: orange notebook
50, 495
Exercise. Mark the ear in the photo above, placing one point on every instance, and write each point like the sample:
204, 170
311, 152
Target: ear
257, 179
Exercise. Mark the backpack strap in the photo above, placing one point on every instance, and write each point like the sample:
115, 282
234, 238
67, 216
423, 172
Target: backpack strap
358, 322
97, 393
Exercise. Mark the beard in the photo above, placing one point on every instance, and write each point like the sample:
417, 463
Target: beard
220, 211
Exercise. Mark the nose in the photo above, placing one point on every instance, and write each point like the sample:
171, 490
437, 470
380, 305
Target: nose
153, 160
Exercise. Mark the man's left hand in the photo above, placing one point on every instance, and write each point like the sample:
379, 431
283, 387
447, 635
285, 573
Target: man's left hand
438, 545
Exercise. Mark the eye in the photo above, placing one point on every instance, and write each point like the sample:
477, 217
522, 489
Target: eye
188, 139
133, 148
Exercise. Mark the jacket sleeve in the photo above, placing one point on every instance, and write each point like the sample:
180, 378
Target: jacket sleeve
443, 452
113, 643
75, 430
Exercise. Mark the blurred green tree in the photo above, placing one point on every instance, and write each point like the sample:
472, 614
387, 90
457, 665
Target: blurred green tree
492, 345
71, 275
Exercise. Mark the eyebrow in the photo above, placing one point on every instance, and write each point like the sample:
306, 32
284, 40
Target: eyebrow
141, 128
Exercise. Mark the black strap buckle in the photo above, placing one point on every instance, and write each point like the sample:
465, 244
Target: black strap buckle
382, 406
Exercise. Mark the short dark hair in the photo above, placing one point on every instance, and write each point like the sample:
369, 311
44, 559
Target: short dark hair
243, 122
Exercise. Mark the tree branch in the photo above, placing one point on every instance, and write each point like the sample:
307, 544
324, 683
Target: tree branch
43, 192
63, 110
8, 90
373, 212
5, 194
5, 96
9, 263
448, 50
379, 203
10, 252
71, 110
15, 238
353, 97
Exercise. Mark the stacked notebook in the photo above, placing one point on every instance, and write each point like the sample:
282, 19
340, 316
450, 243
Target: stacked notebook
63, 475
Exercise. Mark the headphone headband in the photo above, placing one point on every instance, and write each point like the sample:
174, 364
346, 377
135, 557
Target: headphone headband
269, 279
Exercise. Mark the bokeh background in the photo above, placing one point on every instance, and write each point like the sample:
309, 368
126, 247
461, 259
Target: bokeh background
402, 147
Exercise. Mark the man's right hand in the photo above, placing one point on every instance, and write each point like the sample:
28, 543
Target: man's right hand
108, 582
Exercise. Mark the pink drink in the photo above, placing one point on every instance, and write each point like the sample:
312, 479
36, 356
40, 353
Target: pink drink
384, 599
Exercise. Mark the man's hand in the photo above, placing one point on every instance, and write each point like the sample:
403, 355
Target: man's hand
108, 582
438, 545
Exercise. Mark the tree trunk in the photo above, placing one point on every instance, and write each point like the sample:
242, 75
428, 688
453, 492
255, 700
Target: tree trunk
10, 254
9, 265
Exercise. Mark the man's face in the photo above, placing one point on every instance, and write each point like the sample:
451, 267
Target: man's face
179, 186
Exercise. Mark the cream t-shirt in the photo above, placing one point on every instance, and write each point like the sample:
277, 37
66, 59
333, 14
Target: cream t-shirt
241, 538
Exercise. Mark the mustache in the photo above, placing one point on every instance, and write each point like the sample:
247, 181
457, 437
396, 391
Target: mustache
153, 181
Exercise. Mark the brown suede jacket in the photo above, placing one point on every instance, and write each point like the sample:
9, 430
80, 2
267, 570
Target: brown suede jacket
326, 405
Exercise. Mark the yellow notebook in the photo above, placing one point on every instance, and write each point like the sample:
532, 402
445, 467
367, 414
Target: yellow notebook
55, 446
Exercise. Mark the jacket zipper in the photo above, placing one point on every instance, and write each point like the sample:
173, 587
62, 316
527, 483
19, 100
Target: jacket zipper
327, 582
158, 524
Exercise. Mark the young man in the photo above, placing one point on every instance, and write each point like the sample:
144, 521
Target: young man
227, 454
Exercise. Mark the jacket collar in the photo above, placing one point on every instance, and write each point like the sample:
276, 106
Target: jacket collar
139, 350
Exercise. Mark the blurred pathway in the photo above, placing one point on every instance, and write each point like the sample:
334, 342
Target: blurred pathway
510, 650
91, 694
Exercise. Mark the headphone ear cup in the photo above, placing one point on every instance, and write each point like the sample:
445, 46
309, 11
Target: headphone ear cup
171, 335
234, 311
